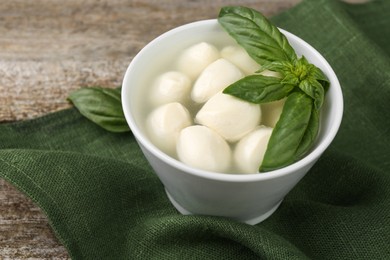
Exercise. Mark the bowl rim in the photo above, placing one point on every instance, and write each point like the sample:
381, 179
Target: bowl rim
233, 177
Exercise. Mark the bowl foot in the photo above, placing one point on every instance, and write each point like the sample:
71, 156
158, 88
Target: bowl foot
251, 221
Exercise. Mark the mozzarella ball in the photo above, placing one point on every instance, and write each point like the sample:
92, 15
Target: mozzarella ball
214, 78
239, 57
271, 112
200, 147
170, 87
194, 59
165, 123
229, 116
249, 151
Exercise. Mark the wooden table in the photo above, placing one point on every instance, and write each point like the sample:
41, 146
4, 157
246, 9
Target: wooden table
49, 48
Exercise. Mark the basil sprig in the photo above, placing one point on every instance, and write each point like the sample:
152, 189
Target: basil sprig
102, 106
302, 84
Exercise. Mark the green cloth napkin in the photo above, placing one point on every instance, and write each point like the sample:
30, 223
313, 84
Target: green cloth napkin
103, 200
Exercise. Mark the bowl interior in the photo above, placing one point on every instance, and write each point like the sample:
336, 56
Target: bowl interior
153, 60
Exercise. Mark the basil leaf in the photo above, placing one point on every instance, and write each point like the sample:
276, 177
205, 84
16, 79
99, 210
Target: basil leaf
310, 134
313, 89
320, 77
259, 89
102, 106
282, 67
262, 40
288, 132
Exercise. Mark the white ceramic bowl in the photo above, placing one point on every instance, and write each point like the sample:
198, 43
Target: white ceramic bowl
249, 198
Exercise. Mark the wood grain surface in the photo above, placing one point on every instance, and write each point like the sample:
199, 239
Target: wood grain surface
51, 47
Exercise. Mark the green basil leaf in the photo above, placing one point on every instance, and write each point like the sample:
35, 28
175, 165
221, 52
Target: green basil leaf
102, 106
288, 132
320, 77
259, 89
313, 89
310, 134
256, 34
282, 67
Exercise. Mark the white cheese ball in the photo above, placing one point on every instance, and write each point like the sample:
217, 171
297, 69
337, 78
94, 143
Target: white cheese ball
239, 57
229, 116
165, 123
194, 59
214, 78
249, 151
172, 86
200, 147
271, 112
